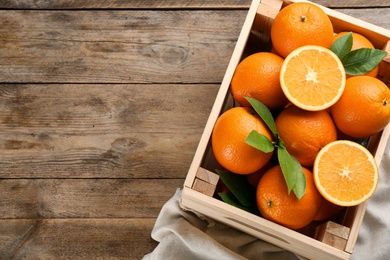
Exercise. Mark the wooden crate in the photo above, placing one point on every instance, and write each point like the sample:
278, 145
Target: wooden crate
331, 240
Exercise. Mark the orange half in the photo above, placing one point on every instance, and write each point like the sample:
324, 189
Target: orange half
312, 77
345, 173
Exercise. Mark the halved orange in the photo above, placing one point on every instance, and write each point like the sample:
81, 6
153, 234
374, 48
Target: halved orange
312, 77
345, 173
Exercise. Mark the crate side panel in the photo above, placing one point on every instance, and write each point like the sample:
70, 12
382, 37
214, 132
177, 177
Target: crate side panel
259, 227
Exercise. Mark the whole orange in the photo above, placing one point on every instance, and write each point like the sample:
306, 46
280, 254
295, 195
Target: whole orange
277, 205
327, 210
228, 141
300, 24
305, 132
257, 76
363, 108
254, 178
359, 41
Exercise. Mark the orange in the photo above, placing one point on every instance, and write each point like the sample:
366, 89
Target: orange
327, 210
359, 41
345, 173
277, 205
300, 24
364, 108
312, 78
228, 141
257, 76
221, 187
254, 178
305, 132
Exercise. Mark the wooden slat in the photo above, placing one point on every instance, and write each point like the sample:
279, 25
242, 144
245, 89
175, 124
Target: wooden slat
101, 131
137, 140
376, 16
163, 4
125, 4
85, 198
353, 3
128, 47
76, 238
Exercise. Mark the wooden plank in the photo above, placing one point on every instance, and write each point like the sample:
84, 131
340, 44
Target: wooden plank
376, 16
76, 238
207, 176
333, 234
117, 46
101, 131
124, 4
84, 198
128, 47
203, 187
163, 4
353, 3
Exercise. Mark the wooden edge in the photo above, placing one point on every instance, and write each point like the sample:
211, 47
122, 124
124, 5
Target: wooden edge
358, 212
221, 96
265, 15
275, 4
333, 234
205, 182
337, 229
261, 228
207, 176
358, 216
384, 66
203, 187
380, 150
387, 48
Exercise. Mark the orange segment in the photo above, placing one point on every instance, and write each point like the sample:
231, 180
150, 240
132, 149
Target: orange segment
312, 77
345, 173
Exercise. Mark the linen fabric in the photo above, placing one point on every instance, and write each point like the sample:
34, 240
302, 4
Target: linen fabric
184, 234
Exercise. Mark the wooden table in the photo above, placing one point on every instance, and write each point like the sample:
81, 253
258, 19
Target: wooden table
102, 104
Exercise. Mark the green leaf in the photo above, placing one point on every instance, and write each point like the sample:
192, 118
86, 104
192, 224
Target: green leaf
292, 172
280, 143
259, 141
343, 45
239, 186
300, 184
229, 198
361, 61
287, 168
264, 113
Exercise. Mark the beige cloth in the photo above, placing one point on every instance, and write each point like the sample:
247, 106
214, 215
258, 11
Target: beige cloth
187, 235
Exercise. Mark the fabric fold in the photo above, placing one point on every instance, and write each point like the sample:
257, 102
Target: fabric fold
183, 234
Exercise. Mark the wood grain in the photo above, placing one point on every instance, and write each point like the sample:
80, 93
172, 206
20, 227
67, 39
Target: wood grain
171, 4
85, 198
128, 47
102, 104
127, 238
101, 131
377, 16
